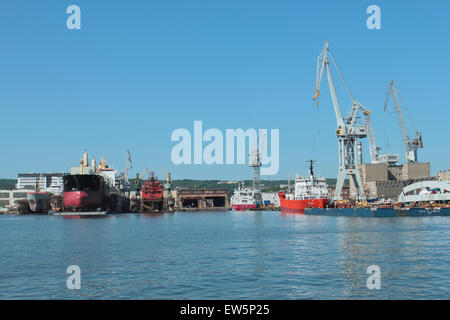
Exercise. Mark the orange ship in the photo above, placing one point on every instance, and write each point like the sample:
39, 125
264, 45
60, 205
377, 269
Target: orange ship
309, 192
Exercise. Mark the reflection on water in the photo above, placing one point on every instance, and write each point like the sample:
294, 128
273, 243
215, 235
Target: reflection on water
224, 255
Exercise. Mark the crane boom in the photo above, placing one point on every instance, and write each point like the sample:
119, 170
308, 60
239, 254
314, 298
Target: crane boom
373, 148
129, 165
410, 145
323, 62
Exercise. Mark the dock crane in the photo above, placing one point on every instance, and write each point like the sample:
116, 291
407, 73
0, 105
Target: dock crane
410, 145
168, 184
124, 181
348, 131
129, 165
138, 180
374, 150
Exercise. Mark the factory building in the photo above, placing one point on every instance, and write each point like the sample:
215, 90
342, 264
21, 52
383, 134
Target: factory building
444, 175
12, 198
29, 181
384, 181
271, 198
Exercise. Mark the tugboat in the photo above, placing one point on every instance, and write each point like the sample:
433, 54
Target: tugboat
250, 198
311, 192
152, 199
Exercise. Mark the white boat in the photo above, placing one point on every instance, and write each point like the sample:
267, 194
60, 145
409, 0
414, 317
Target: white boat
245, 198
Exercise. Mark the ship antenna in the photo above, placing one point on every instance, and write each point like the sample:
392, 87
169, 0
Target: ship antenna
311, 167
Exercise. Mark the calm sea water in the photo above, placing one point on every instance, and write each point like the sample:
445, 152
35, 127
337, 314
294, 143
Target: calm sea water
224, 255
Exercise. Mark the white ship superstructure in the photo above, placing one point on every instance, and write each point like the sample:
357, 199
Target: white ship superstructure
244, 198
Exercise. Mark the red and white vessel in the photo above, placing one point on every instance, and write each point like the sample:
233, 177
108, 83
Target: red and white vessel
245, 198
311, 192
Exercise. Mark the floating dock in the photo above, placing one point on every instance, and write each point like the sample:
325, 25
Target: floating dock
378, 212
72, 214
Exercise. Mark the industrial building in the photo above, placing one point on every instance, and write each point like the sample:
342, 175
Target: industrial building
384, 181
271, 198
13, 198
444, 175
29, 181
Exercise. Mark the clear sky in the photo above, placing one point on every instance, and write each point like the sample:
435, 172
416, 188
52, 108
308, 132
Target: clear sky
137, 70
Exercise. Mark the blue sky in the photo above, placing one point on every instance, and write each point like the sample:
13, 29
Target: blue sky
137, 70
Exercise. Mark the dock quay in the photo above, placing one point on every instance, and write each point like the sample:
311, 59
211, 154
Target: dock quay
227, 208
86, 213
379, 212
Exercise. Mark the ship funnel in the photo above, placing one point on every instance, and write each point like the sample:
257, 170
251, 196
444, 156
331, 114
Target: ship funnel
85, 158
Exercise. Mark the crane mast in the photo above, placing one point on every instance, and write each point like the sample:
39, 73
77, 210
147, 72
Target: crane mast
348, 131
129, 165
410, 145
255, 161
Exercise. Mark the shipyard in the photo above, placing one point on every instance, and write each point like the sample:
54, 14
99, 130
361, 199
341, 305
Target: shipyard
97, 189
197, 155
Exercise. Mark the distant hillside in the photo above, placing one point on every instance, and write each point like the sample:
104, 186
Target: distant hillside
7, 184
268, 185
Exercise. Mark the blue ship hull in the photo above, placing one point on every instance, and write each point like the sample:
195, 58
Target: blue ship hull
378, 212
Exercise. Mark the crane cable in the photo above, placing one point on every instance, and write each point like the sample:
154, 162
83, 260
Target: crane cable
407, 111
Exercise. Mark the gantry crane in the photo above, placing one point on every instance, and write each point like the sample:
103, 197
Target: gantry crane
410, 145
348, 131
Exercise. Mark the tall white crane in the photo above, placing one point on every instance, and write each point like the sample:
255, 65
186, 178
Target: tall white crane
348, 131
255, 161
410, 145
374, 150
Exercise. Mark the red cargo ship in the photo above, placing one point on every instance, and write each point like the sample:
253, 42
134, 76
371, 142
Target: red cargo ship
309, 192
93, 188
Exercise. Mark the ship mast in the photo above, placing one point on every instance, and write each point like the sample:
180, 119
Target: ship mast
311, 171
311, 167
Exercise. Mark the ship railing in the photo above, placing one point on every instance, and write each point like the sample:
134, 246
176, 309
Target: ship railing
313, 197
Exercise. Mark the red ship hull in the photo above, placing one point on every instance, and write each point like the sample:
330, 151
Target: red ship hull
298, 206
243, 207
83, 199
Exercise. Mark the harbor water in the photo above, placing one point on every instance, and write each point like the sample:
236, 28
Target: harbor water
224, 255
